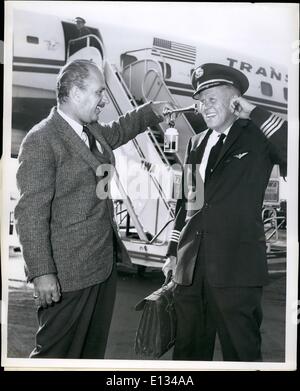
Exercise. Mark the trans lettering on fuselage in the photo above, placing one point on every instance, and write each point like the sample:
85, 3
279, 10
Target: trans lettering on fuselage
245, 66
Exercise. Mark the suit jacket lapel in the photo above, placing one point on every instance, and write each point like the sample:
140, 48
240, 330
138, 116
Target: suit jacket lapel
70, 136
107, 151
196, 154
233, 135
194, 159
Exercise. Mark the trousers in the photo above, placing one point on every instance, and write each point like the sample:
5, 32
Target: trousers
78, 325
204, 311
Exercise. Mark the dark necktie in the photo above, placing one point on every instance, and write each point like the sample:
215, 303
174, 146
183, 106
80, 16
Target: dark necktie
95, 151
92, 142
213, 156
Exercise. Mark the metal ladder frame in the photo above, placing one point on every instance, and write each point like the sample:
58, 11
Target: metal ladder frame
88, 44
273, 236
164, 71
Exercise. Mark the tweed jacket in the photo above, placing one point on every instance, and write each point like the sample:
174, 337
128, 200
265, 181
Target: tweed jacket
63, 227
228, 220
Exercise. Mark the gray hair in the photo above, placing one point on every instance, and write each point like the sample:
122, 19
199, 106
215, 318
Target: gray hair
72, 74
234, 90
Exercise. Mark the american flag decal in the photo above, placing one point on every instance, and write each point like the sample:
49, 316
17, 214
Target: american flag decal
174, 50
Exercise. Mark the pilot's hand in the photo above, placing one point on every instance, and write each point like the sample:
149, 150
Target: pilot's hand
46, 290
161, 108
169, 265
241, 107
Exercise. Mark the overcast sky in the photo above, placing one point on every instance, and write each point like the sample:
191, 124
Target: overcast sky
261, 30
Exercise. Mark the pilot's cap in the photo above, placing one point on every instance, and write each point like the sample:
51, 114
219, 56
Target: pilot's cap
79, 19
212, 75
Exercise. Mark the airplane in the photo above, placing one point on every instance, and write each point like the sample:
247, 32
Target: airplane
139, 66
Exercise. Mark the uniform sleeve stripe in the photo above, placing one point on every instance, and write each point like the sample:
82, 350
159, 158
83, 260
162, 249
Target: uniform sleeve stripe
174, 236
276, 125
267, 121
271, 125
275, 130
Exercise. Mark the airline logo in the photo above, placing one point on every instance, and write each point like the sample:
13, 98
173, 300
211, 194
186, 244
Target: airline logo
199, 72
241, 155
268, 72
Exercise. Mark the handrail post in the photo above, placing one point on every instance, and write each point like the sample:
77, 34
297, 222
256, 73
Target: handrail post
161, 230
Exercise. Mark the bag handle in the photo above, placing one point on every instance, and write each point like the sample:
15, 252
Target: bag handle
140, 305
168, 278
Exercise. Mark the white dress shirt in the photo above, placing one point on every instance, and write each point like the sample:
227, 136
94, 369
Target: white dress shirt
78, 128
212, 140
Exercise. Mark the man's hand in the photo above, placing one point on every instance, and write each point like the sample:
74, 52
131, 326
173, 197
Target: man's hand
46, 290
241, 107
162, 107
169, 265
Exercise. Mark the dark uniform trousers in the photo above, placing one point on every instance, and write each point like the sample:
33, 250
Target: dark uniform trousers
234, 313
77, 326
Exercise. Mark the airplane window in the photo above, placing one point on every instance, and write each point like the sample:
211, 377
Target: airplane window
31, 39
285, 93
266, 88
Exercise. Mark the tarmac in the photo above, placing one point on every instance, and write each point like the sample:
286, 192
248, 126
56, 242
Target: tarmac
132, 287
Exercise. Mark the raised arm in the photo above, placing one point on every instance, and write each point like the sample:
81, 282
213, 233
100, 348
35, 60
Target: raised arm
273, 127
132, 123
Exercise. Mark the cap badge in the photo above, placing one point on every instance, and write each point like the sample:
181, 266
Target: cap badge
199, 72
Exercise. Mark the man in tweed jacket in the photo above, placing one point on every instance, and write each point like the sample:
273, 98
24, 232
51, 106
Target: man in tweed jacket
68, 235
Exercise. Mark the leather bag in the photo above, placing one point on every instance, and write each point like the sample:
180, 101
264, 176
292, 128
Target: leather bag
157, 327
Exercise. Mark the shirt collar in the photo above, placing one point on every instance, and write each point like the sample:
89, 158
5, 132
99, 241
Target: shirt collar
74, 124
226, 131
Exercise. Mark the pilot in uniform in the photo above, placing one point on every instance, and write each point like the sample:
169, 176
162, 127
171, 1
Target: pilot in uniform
217, 250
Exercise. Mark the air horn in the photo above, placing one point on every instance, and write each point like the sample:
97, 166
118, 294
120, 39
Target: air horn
171, 134
193, 108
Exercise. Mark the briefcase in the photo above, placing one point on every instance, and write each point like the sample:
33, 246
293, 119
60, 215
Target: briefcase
157, 327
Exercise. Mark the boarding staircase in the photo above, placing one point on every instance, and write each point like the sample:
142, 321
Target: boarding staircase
145, 80
274, 218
